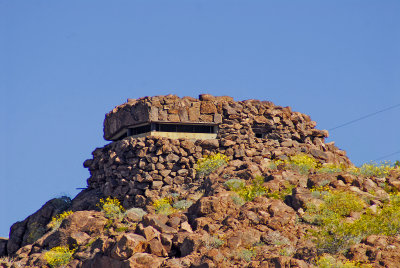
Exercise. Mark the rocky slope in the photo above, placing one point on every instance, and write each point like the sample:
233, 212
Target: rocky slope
177, 216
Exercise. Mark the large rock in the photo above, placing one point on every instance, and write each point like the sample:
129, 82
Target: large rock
101, 261
143, 260
378, 250
210, 144
3, 246
128, 244
34, 226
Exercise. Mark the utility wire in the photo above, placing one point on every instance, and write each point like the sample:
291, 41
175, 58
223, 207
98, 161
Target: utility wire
365, 116
385, 156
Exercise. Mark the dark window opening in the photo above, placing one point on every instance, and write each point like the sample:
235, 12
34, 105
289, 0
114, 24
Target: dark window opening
123, 136
260, 131
139, 130
170, 128
166, 127
184, 128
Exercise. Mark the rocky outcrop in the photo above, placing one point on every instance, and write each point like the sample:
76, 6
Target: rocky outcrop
216, 228
3, 246
35, 226
139, 170
378, 250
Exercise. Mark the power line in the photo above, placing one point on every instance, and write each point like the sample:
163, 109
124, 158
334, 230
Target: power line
365, 116
385, 156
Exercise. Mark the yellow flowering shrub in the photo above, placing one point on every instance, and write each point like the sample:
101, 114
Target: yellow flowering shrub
163, 206
302, 163
256, 188
331, 168
328, 261
282, 193
386, 221
247, 192
336, 234
57, 220
374, 169
320, 191
59, 256
111, 208
210, 163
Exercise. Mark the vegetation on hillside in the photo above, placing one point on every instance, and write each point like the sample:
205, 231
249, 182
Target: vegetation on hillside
334, 220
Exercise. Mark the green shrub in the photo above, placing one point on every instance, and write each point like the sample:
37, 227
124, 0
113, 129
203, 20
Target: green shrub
210, 163
335, 233
281, 194
320, 191
388, 188
183, 204
122, 229
111, 208
214, 242
237, 199
58, 256
302, 163
57, 220
163, 206
342, 203
247, 254
256, 188
331, 168
235, 184
248, 192
386, 221
374, 169
330, 262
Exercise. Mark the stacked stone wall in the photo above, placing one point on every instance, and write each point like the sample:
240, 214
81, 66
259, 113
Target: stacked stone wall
140, 170
168, 108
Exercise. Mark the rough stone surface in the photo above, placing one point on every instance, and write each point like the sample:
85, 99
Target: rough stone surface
215, 228
128, 244
3, 246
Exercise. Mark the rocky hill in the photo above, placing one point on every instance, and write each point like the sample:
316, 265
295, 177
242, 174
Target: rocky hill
264, 191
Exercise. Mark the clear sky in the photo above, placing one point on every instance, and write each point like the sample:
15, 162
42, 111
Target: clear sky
64, 64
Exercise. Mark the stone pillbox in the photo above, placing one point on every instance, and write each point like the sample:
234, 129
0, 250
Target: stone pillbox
198, 119
157, 141
167, 116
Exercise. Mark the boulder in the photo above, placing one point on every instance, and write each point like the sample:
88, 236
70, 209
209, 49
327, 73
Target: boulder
128, 244
143, 260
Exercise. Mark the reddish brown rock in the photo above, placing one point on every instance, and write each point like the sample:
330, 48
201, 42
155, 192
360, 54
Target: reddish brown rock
218, 226
128, 244
208, 107
143, 260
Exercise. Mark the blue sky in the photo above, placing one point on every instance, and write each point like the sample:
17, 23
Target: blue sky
64, 64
